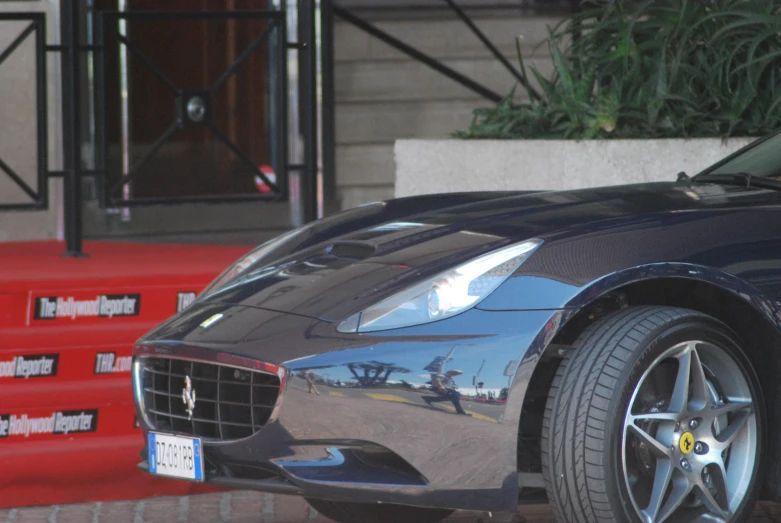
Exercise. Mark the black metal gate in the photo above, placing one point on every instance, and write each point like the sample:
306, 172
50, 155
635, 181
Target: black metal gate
193, 108
39, 194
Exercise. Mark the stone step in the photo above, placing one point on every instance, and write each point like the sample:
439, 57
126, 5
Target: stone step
365, 165
409, 80
443, 38
364, 173
355, 196
190, 221
388, 121
404, 5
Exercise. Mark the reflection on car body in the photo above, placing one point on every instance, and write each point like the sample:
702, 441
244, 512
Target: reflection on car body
463, 351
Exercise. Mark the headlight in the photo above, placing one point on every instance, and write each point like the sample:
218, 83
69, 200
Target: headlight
444, 295
250, 259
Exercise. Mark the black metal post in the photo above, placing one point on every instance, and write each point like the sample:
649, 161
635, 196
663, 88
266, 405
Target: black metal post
72, 196
42, 112
101, 118
328, 140
281, 101
308, 104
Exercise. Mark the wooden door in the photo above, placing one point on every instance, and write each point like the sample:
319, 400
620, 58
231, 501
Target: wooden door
191, 54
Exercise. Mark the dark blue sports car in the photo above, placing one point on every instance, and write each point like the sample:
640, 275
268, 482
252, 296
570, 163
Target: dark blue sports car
614, 350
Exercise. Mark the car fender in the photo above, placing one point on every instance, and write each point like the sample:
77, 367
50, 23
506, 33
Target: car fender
566, 300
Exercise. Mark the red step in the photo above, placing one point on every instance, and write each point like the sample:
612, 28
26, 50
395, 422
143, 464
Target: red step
67, 424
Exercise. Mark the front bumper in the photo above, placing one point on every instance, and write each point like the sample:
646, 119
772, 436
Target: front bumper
364, 431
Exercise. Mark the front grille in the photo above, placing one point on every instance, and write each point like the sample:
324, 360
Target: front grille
230, 403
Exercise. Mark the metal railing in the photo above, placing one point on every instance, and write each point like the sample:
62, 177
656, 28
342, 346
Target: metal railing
350, 11
39, 194
350, 16
193, 109
315, 104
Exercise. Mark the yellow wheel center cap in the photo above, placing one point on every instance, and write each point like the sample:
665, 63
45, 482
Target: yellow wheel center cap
686, 444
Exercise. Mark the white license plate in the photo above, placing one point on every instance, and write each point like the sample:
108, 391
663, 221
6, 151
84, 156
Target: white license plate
175, 456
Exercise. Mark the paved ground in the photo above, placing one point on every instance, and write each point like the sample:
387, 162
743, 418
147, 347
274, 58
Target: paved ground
252, 507
482, 411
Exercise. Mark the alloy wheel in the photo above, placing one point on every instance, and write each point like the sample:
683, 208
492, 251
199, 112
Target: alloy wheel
690, 434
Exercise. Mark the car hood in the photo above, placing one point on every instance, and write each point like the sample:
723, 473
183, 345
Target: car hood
337, 278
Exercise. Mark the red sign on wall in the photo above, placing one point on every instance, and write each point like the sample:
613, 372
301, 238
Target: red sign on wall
68, 431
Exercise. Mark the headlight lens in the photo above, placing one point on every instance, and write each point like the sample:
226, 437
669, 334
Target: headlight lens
244, 263
444, 295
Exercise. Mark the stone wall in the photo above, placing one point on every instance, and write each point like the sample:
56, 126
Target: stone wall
382, 95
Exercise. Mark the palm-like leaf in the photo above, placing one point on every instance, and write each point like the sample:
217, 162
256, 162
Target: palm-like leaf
658, 68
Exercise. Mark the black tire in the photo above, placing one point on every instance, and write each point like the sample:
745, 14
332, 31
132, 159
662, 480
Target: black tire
343, 512
588, 405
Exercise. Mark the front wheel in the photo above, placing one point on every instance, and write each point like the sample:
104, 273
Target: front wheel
656, 415
344, 512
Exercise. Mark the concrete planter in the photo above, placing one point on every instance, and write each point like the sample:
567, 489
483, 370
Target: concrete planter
433, 166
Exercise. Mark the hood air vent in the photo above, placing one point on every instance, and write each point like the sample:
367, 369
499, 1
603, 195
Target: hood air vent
351, 250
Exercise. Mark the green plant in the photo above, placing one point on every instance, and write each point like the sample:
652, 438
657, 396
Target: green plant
652, 69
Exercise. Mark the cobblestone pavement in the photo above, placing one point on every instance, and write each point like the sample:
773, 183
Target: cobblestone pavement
253, 507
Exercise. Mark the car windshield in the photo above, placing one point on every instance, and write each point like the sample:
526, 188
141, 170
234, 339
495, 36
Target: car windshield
762, 160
